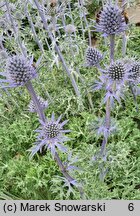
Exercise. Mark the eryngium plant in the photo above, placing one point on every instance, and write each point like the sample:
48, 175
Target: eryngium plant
113, 79
19, 71
93, 56
111, 20
134, 72
117, 72
134, 76
51, 135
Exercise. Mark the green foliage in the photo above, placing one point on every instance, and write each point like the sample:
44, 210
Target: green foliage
39, 178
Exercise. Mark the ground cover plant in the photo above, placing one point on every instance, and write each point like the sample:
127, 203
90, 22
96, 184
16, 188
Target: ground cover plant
69, 100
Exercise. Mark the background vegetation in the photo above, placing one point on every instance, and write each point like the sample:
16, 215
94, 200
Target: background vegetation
40, 177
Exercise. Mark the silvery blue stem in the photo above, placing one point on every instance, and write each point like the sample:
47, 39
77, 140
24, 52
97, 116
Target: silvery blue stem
71, 17
124, 44
35, 100
107, 122
85, 19
54, 23
124, 37
63, 21
46, 40
124, 3
70, 44
57, 49
112, 47
87, 90
134, 96
62, 168
83, 31
1, 45
33, 29
67, 176
108, 108
42, 117
14, 29
102, 3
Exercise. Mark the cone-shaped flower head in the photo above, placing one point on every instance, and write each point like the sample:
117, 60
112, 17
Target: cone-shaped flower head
134, 72
70, 29
117, 72
113, 79
93, 56
19, 71
42, 102
3, 54
111, 20
51, 135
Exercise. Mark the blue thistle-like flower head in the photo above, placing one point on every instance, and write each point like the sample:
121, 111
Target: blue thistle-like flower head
134, 72
111, 20
117, 72
113, 80
19, 71
51, 135
70, 29
42, 102
93, 56
3, 54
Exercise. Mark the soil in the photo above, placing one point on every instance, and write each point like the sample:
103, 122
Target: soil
134, 14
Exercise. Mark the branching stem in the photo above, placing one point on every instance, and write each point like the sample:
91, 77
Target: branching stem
108, 108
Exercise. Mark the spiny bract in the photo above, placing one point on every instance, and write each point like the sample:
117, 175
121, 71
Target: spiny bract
42, 102
51, 135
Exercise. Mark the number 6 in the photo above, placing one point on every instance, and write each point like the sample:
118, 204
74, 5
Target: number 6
131, 207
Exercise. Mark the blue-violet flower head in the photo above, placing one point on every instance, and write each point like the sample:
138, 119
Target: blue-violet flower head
134, 72
51, 135
111, 20
19, 71
117, 72
93, 56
